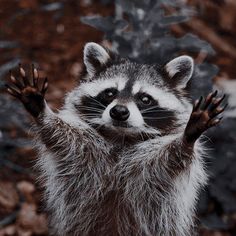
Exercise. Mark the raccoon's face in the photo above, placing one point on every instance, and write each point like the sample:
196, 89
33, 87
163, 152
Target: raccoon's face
126, 98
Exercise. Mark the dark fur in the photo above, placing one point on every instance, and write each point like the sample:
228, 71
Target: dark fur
110, 181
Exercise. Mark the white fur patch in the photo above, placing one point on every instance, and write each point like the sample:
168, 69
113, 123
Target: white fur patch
95, 87
106, 118
165, 99
135, 118
136, 88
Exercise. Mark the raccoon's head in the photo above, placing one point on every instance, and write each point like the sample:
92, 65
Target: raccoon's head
125, 98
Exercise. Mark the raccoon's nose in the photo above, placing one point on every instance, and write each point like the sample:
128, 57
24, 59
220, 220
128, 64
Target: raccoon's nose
119, 112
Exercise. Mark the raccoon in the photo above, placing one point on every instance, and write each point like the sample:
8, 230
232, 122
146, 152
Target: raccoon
123, 156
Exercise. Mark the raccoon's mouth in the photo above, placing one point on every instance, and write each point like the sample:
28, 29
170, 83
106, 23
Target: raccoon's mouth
114, 124
121, 124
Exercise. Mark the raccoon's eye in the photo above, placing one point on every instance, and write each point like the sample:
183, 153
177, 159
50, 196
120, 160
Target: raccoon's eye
146, 99
110, 93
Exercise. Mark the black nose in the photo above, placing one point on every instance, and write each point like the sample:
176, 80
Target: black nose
119, 112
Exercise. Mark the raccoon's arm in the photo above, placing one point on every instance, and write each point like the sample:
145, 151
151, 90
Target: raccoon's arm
66, 136
58, 132
204, 115
166, 157
160, 178
158, 160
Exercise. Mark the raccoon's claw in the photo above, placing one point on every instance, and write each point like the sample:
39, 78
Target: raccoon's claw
204, 116
27, 90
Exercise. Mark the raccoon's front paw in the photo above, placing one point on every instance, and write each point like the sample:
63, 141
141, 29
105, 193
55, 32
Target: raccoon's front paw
27, 90
204, 116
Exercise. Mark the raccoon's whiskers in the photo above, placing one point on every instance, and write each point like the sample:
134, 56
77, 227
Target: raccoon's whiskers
90, 115
157, 118
98, 127
151, 131
98, 102
152, 111
152, 108
94, 110
89, 108
93, 123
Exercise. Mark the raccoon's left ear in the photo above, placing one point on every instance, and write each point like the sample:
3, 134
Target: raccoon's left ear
180, 71
95, 57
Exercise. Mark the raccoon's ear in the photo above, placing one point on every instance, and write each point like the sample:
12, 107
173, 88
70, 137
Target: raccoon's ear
95, 57
180, 71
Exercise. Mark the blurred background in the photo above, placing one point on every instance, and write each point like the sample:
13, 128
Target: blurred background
51, 34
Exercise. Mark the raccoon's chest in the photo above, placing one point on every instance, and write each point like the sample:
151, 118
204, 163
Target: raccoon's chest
114, 216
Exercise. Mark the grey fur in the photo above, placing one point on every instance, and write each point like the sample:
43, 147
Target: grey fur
95, 186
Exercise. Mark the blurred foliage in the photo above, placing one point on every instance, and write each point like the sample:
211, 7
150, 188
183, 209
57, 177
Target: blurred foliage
141, 31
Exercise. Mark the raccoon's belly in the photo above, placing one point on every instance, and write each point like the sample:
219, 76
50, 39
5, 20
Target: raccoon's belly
110, 222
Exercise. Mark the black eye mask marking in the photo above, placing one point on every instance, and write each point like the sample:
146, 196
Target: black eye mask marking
93, 107
160, 118
145, 100
107, 96
154, 115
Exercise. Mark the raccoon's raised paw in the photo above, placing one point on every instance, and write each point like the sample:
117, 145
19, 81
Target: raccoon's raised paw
204, 115
28, 91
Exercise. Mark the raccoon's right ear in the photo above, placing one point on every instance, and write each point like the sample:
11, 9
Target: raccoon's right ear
95, 57
179, 71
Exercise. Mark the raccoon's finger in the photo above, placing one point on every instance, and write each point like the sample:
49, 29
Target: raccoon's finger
213, 122
16, 82
197, 104
218, 111
12, 91
12, 88
45, 86
35, 76
23, 76
208, 100
216, 103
